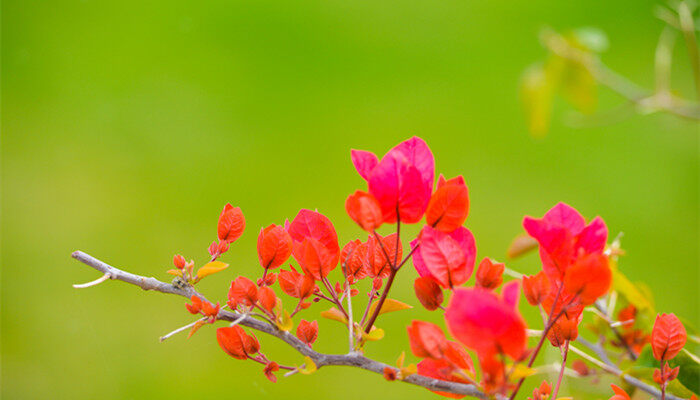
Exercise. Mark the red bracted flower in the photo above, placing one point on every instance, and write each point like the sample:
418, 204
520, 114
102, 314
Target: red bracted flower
588, 278
231, 223
274, 246
427, 340
402, 181
485, 323
449, 205
489, 275
563, 236
307, 331
668, 337
315, 243
428, 292
236, 343
364, 209
620, 394
446, 257
242, 291
536, 288
295, 284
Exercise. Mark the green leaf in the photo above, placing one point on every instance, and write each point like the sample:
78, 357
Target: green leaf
579, 87
536, 92
689, 372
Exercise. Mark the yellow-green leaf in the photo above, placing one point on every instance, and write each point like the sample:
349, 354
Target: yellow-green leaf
401, 359
629, 290
211, 268
409, 370
309, 366
334, 314
389, 306
284, 321
521, 371
175, 272
374, 335
536, 93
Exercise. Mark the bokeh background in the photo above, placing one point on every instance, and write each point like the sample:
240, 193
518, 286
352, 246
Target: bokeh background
127, 125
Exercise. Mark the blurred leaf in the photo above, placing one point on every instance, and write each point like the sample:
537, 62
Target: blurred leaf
335, 315
284, 321
309, 366
578, 86
536, 91
175, 272
401, 359
689, 373
592, 39
373, 335
409, 370
631, 292
389, 305
522, 244
522, 371
211, 268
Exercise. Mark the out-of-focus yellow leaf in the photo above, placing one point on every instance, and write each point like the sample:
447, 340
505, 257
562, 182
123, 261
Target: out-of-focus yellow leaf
196, 327
521, 371
579, 87
389, 306
409, 370
309, 366
536, 90
175, 272
373, 335
211, 268
522, 244
334, 314
284, 321
401, 359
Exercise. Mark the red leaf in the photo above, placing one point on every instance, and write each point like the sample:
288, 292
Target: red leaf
243, 291
489, 275
267, 298
668, 337
426, 340
364, 209
536, 288
231, 223
274, 246
448, 257
428, 292
589, 278
231, 341
443, 370
448, 207
307, 331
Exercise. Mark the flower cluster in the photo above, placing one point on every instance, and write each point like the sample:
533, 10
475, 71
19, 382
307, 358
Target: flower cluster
482, 318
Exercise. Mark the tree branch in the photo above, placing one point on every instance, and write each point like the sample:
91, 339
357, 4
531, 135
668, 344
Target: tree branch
614, 370
352, 359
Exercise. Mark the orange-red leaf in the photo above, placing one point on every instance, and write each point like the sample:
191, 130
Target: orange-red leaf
489, 275
449, 206
668, 337
428, 292
307, 331
426, 340
274, 246
231, 223
364, 209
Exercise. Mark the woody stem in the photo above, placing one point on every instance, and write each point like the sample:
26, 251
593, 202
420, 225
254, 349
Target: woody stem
380, 303
564, 353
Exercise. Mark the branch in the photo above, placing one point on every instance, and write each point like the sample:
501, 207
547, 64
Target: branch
352, 359
618, 83
610, 367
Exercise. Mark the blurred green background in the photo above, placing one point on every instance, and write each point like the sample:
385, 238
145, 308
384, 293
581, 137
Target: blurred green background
128, 125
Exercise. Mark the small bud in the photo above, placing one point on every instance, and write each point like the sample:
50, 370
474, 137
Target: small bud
389, 374
179, 261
